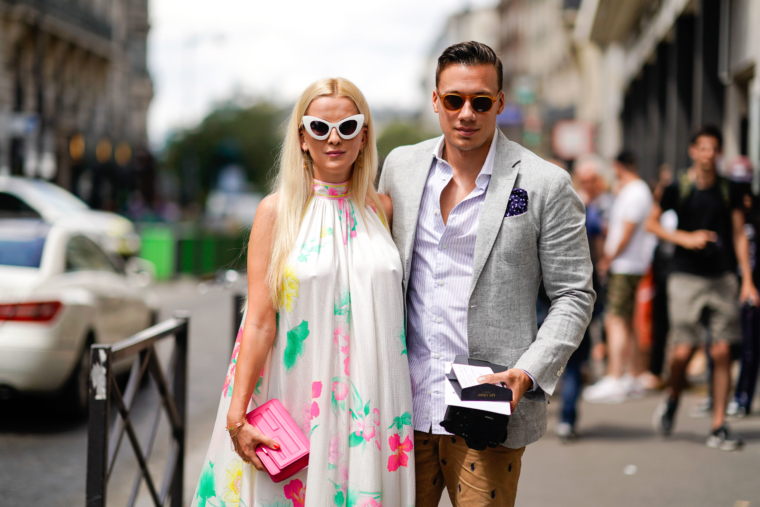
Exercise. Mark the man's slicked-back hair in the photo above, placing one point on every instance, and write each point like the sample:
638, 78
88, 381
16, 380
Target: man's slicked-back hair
469, 54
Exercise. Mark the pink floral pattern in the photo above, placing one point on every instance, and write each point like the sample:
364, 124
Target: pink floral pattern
229, 380
399, 458
296, 492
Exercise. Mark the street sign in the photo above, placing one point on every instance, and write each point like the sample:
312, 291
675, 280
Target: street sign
18, 124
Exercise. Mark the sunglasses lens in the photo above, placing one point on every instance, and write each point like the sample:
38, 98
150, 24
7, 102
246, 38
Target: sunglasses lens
482, 104
319, 128
348, 127
453, 102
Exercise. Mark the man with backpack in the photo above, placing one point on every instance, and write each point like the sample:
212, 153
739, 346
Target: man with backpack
710, 242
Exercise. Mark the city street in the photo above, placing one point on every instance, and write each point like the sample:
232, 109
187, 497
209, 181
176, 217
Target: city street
618, 461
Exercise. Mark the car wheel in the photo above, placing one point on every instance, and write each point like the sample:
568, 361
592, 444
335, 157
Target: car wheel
76, 393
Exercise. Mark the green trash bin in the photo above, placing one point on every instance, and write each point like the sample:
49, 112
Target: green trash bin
158, 247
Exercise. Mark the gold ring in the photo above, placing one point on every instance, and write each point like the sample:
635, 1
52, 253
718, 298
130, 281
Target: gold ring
246, 461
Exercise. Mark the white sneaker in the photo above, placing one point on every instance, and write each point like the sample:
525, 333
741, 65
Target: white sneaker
607, 390
633, 387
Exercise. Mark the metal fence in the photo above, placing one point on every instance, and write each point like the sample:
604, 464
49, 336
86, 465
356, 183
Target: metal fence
103, 448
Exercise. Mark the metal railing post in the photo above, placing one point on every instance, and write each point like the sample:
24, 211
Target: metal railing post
180, 397
97, 441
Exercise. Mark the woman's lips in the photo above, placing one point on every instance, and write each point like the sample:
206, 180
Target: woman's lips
335, 154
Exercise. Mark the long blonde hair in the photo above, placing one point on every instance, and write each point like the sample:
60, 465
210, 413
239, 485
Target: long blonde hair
295, 177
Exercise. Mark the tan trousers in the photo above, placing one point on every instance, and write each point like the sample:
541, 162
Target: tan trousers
473, 478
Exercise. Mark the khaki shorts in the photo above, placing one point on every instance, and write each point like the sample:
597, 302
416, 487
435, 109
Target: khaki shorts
621, 295
689, 295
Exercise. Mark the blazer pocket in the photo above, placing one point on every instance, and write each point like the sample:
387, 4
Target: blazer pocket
516, 243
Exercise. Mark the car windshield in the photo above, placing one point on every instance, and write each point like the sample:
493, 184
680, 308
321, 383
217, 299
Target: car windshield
58, 197
21, 242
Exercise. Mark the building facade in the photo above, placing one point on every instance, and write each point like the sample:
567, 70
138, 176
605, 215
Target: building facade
668, 67
74, 88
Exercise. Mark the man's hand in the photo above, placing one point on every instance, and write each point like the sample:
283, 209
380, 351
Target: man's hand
515, 378
696, 240
749, 292
603, 266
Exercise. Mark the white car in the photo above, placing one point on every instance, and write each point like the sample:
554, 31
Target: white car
59, 293
30, 198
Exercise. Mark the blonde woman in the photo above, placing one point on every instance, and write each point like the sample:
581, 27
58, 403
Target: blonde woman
324, 326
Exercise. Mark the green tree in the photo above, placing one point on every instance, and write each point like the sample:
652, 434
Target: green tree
250, 137
400, 133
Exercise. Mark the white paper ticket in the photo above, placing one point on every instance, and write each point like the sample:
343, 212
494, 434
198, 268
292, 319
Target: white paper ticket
468, 375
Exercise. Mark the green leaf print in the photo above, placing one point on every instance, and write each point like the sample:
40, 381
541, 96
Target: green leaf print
294, 348
339, 499
356, 400
402, 336
366, 409
343, 306
355, 440
206, 488
399, 422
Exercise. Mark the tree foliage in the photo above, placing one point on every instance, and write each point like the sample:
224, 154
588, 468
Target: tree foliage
250, 137
400, 133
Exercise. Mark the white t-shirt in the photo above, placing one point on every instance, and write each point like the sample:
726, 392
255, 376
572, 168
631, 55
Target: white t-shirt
633, 205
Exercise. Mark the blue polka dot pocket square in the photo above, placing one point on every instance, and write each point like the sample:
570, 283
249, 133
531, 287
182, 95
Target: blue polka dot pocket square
518, 203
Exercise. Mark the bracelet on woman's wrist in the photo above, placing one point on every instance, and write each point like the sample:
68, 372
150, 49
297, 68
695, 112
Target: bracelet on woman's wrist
235, 429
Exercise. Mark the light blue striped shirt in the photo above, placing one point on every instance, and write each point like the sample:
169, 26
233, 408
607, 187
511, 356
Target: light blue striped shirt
439, 285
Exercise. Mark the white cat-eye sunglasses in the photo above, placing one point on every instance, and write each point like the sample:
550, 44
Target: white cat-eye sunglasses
347, 128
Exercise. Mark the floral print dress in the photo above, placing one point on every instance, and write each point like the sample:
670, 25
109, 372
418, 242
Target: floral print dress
338, 365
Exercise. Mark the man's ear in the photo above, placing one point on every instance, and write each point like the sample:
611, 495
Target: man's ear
435, 100
502, 102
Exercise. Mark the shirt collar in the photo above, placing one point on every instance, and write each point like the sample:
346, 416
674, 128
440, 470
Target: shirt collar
487, 169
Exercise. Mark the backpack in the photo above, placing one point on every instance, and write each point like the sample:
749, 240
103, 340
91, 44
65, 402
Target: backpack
686, 187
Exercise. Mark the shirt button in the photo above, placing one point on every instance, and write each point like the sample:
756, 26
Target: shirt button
438, 356
443, 179
429, 392
438, 319
436, 212
443, 247
440, 282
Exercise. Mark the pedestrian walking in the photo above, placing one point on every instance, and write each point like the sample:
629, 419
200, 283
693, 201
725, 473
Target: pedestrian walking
741, 171
710, 241
594, 193
627, 257
323, 332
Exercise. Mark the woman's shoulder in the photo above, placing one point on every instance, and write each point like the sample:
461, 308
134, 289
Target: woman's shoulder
267, 208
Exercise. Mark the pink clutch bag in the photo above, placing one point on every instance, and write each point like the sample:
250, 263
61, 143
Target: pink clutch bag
273, 420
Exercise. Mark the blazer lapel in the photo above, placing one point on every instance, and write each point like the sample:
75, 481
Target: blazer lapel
505, 170
416, 184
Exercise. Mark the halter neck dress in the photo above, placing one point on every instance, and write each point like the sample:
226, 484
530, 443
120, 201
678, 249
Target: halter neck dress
339, 367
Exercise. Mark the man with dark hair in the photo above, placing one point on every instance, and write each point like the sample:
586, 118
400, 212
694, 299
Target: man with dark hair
479, 221
710, 240
627, 255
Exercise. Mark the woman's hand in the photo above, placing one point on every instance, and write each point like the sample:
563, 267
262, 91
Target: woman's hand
247, 439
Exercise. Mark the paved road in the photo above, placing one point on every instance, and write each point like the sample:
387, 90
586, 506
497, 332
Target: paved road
42, 459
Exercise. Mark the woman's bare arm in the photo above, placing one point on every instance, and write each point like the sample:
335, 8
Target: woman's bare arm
258, 331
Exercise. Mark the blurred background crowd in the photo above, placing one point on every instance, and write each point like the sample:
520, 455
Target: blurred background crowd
139, 137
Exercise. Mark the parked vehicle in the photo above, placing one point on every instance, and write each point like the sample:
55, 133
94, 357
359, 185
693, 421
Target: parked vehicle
31, 198
60, 292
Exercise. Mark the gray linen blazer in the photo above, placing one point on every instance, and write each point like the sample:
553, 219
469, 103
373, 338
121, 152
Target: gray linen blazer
512, 256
